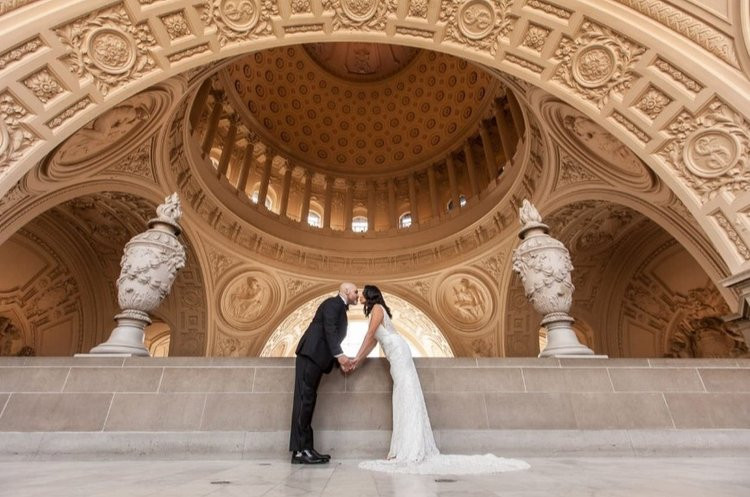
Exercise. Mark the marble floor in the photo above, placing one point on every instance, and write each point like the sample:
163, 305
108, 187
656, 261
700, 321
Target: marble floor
559, 476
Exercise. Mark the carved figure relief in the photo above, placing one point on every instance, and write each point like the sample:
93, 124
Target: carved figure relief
248, 299
11, 337
464, 301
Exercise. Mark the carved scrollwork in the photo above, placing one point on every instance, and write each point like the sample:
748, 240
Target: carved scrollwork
597, 63
477, 23
711, 151
109, 47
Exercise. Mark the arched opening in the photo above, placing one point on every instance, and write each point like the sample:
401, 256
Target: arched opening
421, 333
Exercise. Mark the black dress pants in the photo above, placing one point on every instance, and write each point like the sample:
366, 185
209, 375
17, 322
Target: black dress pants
307, 377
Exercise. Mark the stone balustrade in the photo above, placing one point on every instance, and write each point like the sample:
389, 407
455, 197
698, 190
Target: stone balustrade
240, 407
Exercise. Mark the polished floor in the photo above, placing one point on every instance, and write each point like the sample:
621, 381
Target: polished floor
548, 477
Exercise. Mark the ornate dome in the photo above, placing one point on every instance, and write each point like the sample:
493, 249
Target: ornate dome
359, 108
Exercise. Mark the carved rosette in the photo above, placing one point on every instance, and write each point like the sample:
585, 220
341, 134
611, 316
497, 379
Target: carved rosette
597, 63
148, 269
711, 151
109, 47
360, 14
14, 137
239, 20
477, 23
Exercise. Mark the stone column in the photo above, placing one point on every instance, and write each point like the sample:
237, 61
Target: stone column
544, 266
199, 103
471, 169
489, 153
505, 131
213, 124
247, 160
451, 166
284, 205
392, 214
328, 202
516, 113
434, 199
148, 268
305, 210
413, 200
371, 205
349, 205
226, 152
265, 177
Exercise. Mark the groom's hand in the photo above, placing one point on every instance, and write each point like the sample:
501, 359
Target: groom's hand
345, 363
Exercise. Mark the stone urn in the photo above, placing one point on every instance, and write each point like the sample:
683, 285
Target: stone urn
149, 266
543, 263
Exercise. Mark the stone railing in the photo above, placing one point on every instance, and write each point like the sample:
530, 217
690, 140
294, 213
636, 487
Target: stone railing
232, 408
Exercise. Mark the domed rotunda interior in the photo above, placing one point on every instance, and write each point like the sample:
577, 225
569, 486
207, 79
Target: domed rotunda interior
302, 166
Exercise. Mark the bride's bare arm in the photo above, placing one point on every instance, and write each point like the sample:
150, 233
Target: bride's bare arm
376, 317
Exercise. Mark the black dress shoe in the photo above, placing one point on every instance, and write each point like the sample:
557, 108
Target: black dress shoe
306, 457
327, 457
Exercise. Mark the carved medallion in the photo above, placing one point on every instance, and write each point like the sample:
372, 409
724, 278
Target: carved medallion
249, 298
359, 10
111, 50
464, 301
593, 65
476, 18
240, 15
711, 152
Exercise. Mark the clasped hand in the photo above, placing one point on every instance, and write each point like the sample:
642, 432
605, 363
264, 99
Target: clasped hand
348, 364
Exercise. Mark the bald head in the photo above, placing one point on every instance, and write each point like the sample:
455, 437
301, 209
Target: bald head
349, 292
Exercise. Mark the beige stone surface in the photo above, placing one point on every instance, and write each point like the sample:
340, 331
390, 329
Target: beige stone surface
155, 412
207, 380
507, 411
53, 412
567, 380
18, 379
656, 380
95, 379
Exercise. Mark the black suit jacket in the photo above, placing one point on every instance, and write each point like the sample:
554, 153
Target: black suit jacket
322, 339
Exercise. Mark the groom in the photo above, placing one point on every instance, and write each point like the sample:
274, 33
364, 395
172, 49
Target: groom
318, 350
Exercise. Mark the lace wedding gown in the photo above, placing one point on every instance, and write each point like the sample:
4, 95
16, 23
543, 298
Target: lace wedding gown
413, 448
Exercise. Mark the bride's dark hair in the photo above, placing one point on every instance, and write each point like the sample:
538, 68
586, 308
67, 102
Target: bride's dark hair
373, 296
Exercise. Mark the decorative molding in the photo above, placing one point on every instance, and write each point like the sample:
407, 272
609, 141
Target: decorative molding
678, 76
19, 52
69, 112
535, 68
549, 8
742, 249
11, 5
361, 14
239, 20
137, 163
634, 130
188, 52
176, 25
681, 22
535, 37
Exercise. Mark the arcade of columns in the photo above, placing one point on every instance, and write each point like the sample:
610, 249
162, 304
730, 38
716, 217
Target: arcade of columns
636, 156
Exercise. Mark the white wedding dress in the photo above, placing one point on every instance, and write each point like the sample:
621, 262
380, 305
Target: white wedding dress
413, 448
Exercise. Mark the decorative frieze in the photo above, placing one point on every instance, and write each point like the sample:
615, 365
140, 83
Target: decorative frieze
549, 8
519, 61
597, 63
109, 47
631, 127
188, 52
18, 52
742, 249
678, 76
688, 26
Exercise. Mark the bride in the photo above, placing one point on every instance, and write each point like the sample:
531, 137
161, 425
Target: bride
413, 448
